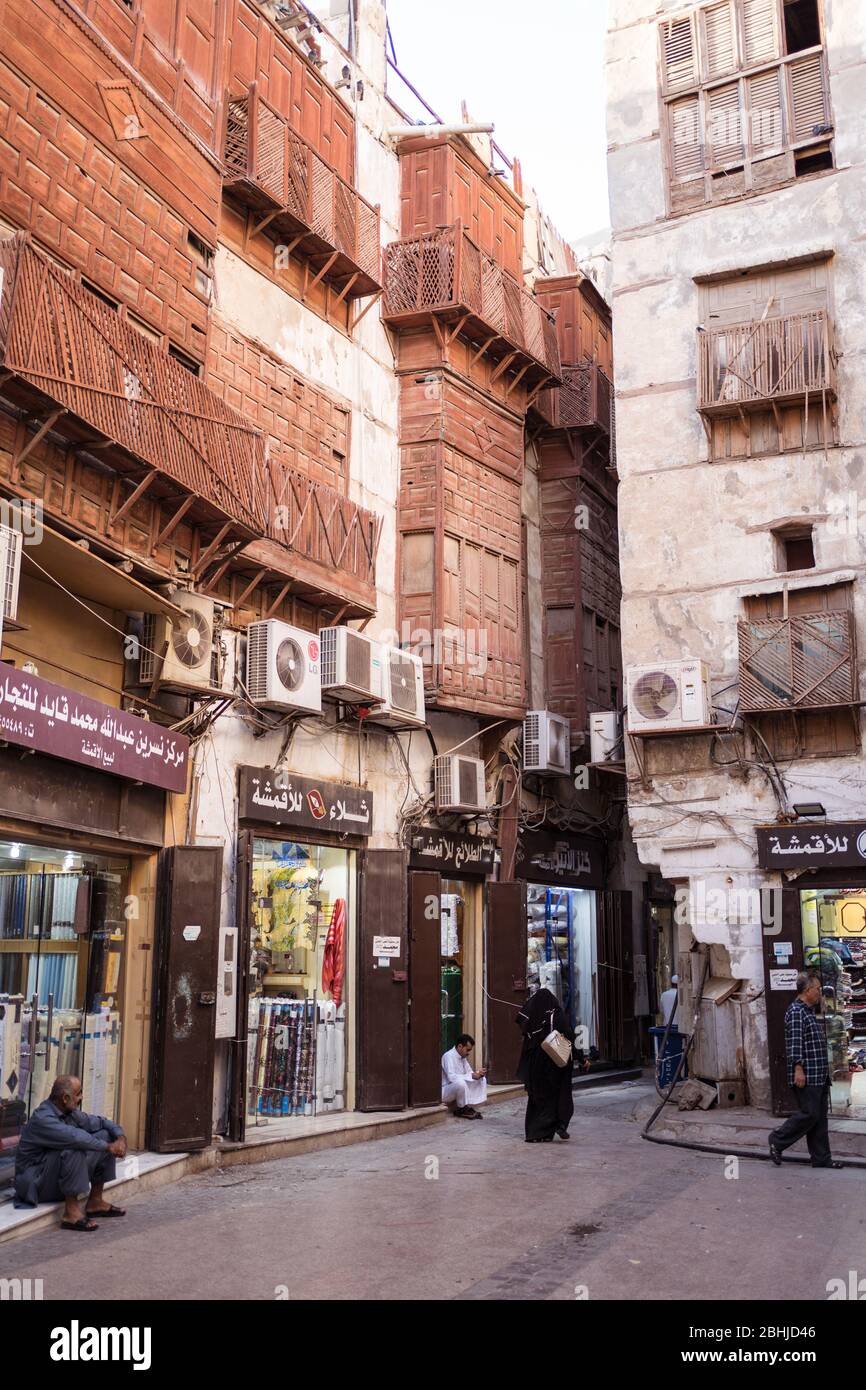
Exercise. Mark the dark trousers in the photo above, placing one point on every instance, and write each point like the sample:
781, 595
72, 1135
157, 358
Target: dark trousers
71, 1172
810, 1121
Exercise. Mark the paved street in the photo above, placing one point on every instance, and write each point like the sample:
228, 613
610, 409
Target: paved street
503, 1220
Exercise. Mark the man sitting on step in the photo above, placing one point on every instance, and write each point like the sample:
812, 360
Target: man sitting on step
63, 1153
462, 1087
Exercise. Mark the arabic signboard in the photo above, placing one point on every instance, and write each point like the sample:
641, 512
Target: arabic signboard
576, 861
285, 798
449, 853
36, 714
840, 845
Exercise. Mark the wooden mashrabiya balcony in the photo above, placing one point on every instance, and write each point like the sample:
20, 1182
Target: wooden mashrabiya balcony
274, 171
72, 368
807, 661
444, 273
584, 401
766, 363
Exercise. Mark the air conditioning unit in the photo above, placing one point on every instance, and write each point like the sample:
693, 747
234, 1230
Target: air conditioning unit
10, 571
668, 695
605, 737
402, 690
351, 665
458, 783
188, 664
546, 743
283, 667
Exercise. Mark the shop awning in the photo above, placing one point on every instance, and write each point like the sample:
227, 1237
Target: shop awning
88, 576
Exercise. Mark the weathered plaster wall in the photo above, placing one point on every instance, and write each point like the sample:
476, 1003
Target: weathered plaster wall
694, 535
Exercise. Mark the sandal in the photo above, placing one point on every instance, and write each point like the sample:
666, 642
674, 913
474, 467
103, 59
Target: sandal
109, 1211
83, 1224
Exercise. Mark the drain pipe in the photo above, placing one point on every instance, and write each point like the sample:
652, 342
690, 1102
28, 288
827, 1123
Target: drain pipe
666, 1095
406, 132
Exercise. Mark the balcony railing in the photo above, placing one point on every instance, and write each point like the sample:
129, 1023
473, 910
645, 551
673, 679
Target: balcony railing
319, 538
584, 401
446, 272
803, 662
274, 170
115, 390
749, 366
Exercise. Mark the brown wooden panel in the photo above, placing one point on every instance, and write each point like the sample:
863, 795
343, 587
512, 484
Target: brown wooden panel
617, 1036
382, 992
506, 954
181, 1097
778, 1000
425, 985
583, 319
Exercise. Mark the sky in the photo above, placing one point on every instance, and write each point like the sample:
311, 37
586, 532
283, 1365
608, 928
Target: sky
533, 67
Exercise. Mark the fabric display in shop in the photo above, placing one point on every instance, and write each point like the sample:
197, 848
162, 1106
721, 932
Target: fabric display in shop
11, 1106
334, 960
91, 1052
285, 1059
330, 1056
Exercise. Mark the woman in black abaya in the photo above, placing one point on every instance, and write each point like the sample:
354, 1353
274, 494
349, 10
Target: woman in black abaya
550, 1105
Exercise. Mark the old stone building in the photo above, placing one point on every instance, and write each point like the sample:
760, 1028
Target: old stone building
736, 146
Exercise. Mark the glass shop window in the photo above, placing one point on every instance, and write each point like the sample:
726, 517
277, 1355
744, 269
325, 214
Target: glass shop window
301, 923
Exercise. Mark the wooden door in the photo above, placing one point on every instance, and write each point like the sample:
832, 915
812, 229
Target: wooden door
181, 1097
617, 1038
778, 1000
505, 970
382, 989
425, 986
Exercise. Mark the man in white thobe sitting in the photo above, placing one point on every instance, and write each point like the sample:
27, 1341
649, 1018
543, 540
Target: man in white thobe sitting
462, 1087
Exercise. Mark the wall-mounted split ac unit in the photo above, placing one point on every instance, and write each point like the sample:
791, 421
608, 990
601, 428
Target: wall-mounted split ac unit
402, 690
10, 572
189, 646
668, 695
351, 666
458, 783
546, 743
283, 667
605, 737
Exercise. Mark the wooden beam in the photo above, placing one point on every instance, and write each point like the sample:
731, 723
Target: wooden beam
440, 336
47, 424
254, 582
205, 556
278, 600
503, 366
325, 268
481, 351
365, 311
460, 324
345, 290
174, 521
133, 497
265, 222
517, 380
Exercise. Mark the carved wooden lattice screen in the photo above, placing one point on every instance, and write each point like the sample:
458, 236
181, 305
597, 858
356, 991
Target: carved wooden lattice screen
802, 662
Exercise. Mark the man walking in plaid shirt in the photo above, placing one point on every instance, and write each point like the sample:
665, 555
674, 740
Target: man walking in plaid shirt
809, 1075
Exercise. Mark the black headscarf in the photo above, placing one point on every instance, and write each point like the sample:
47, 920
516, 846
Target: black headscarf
541, 1013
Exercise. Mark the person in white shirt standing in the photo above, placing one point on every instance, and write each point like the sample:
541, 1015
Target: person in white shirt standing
461, 1086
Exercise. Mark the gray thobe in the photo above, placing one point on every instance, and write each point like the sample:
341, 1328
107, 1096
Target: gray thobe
61, 1154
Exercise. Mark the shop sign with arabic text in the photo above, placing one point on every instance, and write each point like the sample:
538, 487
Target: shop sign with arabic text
285, 798
841, 844
48, 718
452, 853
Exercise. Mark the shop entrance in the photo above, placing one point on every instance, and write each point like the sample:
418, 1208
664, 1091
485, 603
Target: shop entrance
562, 953
301, 925
62, 941
444, 972
833, 923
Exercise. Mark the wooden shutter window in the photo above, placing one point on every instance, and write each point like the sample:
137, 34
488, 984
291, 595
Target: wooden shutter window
679, 53
724, 132
809, 104
761, 43
720, 45
686, 138
766, 112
